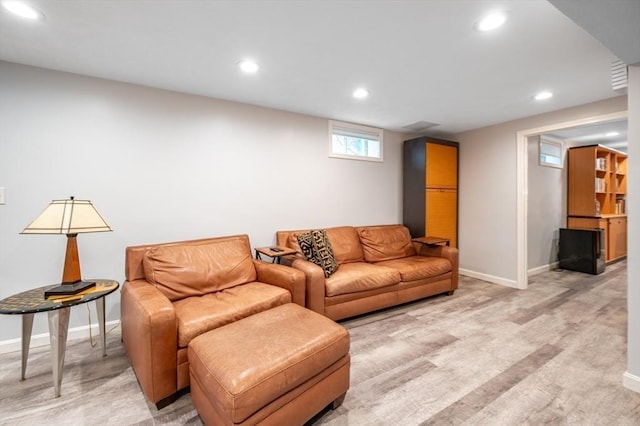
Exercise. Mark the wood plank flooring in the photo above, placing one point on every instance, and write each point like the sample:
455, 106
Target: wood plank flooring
488, 355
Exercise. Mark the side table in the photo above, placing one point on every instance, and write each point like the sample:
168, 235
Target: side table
432, 240
33, 301
274, 254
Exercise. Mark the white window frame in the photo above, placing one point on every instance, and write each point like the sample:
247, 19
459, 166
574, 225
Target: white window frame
356, 130
551, 142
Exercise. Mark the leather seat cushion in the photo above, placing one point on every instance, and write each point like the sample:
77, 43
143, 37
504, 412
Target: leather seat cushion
346, 244
187, 270
385, 242
418, 267
360, 276
344, 240
197, 315
248, 364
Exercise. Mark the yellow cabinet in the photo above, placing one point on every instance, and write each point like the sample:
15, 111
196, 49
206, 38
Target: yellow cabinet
441, 213
441, 166
617, 236
430, 188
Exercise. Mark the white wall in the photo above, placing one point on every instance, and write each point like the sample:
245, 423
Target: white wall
487, 212
162, 166
547, 201
632, 376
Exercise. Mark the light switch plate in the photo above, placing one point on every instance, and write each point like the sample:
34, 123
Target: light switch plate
1, 195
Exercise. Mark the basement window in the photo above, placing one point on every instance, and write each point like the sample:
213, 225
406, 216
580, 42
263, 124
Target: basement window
355, 142
551, 153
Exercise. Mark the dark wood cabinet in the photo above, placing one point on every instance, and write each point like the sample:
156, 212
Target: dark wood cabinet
430, 188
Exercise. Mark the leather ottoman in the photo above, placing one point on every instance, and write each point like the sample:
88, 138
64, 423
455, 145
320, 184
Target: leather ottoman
278, 367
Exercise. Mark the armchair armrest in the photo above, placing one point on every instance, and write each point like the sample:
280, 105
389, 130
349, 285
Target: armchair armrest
450, 253
314, 281
284, 277
150, 336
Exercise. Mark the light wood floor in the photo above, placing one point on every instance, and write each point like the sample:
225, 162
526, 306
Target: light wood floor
488, 355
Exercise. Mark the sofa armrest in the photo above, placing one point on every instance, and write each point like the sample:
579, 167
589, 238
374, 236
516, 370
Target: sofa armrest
288, 259
282, 276
150, 337
314, 282
450, 253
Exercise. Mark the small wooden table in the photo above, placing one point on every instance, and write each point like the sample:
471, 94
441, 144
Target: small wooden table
33, 301
274, 255
432, 240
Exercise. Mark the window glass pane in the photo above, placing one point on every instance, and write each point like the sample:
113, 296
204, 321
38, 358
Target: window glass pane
551, 153
549, 149
357, 142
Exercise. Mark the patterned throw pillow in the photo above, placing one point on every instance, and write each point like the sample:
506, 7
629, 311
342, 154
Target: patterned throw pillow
317, 249
306, 245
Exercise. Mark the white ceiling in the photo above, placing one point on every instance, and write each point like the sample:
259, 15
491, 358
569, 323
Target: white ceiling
598, 133
421, 60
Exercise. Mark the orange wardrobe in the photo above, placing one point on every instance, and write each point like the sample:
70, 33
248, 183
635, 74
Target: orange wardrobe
430, 188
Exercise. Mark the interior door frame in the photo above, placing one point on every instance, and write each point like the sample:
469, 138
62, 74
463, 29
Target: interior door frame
522, 188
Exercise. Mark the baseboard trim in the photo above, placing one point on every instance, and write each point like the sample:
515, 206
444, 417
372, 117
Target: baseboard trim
543, 268
13, 345
631, 381
492, 279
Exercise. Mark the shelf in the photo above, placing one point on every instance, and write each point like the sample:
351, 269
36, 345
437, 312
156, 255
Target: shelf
601, 204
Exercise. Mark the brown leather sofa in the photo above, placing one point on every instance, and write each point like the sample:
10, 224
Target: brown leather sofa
177, 291
379, 266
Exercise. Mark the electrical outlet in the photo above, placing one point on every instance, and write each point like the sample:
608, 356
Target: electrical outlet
1, 195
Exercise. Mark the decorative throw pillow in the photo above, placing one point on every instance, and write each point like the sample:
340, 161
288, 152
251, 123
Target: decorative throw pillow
323, 252
317, 249
306, 245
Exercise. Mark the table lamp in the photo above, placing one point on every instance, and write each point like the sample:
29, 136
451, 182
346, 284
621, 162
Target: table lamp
70, 217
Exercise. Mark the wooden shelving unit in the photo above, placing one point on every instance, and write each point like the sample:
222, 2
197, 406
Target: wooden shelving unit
596, 195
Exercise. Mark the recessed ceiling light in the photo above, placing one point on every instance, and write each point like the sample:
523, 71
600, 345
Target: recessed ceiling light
360, 93
543, 95
612, 134
491, 21
248, 67
23, 10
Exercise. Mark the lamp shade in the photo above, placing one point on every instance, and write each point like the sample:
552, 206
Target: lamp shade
68, 217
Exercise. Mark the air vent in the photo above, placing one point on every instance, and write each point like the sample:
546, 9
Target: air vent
619, 77
419, 126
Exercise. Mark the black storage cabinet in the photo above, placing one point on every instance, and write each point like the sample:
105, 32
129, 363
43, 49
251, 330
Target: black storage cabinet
582, 250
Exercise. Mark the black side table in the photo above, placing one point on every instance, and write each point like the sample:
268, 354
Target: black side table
274, 255
432, 240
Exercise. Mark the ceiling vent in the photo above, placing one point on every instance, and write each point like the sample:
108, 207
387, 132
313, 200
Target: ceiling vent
619, 77
419, 126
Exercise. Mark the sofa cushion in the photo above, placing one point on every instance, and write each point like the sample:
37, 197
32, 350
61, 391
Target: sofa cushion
385, 242
346, 244
292, 240
418, 267
187, 270
316, 247
197, 315
360, 276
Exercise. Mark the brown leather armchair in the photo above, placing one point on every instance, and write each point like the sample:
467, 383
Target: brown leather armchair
176, 291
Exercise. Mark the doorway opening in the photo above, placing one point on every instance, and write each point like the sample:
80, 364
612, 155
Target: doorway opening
522, 196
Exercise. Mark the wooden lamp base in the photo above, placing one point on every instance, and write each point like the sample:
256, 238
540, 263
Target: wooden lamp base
71, 281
